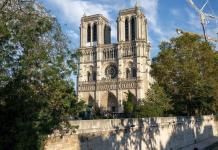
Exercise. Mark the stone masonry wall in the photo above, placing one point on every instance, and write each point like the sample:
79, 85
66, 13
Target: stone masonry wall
162, 133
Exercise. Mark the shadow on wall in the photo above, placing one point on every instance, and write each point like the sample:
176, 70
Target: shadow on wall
161, 133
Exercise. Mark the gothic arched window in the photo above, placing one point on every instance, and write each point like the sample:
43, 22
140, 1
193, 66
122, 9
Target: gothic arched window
94, 32
88, 76
89, 33
126, 30
94, 76
107, 34
127, 73
134, 74
133, 28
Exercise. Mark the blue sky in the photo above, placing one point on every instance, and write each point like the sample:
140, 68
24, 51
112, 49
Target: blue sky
164, 16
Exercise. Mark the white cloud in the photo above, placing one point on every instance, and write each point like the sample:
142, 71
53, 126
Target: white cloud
175, 12
151, 12
150, 8
73, 10
193, 20
73, 34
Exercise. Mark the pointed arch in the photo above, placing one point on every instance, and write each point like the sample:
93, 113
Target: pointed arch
89, 33
107, 34
94, 32
94, 75
112, 104
134, 72
133, 30
126, 29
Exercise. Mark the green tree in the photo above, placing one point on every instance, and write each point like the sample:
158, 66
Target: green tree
129, 105
156, 104
36, 92
187, 69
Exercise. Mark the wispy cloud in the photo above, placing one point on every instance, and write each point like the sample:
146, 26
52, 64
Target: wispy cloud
175, 12
193, 20
73, 10
151, 11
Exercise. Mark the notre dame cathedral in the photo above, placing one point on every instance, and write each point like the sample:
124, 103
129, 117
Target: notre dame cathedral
108, 71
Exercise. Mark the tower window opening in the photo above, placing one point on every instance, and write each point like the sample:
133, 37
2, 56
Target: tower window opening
89, 33
126, 30
94, 32
107, 34
133, 28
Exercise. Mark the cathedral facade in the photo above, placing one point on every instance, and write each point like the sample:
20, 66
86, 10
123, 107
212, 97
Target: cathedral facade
107, 72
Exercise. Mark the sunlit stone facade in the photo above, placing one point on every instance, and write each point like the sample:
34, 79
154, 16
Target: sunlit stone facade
108, 71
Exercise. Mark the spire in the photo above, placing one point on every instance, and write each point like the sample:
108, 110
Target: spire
137, 3
137, 7
84, 12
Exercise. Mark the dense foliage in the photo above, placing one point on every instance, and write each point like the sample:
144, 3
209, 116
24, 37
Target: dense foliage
129, 106
187, 70
156, 104
36, 92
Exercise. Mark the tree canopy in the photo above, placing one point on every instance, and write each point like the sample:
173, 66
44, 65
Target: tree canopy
187, 69
36, 63
156, 103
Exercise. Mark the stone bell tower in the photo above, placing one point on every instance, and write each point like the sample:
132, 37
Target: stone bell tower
134, 49
108, 71
94, 30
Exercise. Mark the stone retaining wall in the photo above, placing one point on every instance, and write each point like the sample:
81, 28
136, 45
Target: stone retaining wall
170, 133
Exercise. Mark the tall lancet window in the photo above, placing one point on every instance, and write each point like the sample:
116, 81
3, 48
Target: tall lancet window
94, 32
134, 72
126, 30
89, 33
88, 76
107, 34
133, 28
127, 73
